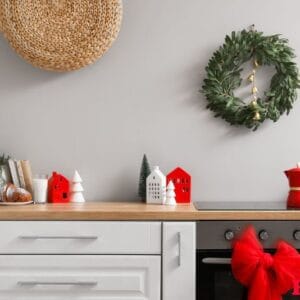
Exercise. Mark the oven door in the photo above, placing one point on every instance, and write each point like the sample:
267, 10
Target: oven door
215, 280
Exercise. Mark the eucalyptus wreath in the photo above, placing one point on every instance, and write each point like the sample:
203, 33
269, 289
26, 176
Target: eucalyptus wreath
224, 77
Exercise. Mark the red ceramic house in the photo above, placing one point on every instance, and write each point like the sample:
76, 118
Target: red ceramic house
58, 189
182, 182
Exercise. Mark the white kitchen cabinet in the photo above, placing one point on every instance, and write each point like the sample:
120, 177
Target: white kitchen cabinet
179, 261
97, 260
80, 277
80, 237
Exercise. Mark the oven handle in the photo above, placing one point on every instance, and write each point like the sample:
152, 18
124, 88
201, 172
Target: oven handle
216, 261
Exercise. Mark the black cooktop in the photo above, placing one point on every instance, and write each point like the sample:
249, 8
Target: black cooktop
213, 205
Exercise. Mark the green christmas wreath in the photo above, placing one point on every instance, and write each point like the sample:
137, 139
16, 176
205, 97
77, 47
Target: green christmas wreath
224, 76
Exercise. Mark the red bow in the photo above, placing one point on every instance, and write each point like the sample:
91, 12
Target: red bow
267, 277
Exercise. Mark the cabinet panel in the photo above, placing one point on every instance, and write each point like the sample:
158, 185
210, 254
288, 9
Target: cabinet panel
179, 261
78, 237
79, 277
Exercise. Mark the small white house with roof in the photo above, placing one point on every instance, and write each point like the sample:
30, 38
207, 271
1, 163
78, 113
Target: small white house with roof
156, 187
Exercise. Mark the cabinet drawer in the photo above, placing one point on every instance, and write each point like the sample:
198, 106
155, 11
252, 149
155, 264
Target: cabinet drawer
80, 277
55, 237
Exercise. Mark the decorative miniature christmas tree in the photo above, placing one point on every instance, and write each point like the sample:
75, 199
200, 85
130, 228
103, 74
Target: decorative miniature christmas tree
144, 173
4, 159
77, 189
5, 176
171, 194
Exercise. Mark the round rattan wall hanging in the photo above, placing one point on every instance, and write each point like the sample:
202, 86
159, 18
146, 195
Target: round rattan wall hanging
60, 35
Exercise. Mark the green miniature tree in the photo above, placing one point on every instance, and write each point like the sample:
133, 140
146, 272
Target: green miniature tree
4, 171
4, 159
144, 173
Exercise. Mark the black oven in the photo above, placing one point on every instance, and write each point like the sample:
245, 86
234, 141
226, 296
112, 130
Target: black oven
214, 277
215, 280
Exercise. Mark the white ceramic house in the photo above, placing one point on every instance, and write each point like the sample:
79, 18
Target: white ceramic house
156, 187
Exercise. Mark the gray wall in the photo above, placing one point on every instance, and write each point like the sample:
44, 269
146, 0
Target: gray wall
142, 96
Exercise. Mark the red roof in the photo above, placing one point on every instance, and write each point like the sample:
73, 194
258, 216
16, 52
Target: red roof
179, 170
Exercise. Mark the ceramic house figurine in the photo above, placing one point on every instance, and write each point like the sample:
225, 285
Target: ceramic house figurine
58, 189
156, 187
170, 194
182, 182
76, 189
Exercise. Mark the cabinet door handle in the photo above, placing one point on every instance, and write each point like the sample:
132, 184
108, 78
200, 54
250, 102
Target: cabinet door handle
59, 237
60, 283
179, 248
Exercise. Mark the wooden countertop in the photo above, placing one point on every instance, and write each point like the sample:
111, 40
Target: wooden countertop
133, 211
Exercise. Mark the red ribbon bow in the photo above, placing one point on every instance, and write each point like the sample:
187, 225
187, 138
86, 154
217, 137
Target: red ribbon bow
267, 277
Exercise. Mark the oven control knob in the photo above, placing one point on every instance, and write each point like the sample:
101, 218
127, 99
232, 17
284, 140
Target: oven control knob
229, 235
296, 235
263, 235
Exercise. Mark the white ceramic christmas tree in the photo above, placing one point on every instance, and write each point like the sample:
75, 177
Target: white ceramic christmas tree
171, 194
77, 189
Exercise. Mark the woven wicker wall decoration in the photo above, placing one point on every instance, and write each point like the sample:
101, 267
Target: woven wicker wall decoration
60, 35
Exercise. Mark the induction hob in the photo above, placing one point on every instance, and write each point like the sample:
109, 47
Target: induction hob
239, 206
